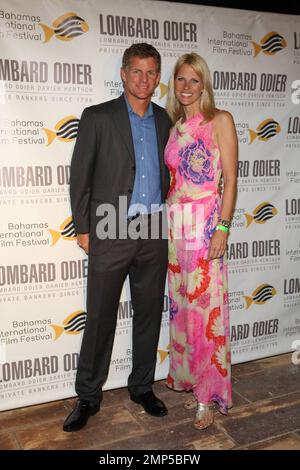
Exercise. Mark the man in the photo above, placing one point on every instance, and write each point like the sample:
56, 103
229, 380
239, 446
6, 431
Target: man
119, 152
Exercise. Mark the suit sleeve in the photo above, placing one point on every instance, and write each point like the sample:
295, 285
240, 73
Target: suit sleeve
82, 165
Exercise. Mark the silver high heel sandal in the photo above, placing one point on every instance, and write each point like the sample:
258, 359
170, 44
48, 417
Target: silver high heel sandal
190, 403
204, 415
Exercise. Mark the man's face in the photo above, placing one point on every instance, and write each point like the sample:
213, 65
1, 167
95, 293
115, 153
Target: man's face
140, 78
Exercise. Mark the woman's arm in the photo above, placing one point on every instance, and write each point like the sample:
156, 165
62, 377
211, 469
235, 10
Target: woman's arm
225, 136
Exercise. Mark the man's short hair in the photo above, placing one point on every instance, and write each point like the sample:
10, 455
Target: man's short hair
142, 50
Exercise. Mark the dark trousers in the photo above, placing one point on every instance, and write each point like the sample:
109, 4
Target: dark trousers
146, 263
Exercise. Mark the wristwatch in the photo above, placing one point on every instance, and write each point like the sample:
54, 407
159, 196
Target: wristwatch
225, 223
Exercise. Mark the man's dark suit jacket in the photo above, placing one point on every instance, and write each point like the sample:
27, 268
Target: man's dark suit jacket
103, 163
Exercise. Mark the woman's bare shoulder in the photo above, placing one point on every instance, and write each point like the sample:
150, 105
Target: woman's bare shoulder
222, 117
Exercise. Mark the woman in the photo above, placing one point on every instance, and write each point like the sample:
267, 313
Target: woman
202, 149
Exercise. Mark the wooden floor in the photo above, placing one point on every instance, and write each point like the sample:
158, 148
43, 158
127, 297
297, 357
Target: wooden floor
265, 415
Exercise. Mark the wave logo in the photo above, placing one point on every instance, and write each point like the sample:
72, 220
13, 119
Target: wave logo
261, 213
66, 27
163, 88
163, 354
66, 231
73, 324
270, 44
260, 295
65, 130
265, 130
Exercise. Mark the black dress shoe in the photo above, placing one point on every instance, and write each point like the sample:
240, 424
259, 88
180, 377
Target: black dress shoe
78, 418
151, 404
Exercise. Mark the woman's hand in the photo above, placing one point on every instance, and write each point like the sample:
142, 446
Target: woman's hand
218, 244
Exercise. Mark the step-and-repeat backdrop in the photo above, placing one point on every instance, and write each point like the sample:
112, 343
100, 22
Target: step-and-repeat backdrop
59, 56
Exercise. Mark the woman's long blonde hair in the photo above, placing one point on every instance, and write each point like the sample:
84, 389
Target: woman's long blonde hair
206, 103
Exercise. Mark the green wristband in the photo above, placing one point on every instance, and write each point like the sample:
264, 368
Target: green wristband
222, 228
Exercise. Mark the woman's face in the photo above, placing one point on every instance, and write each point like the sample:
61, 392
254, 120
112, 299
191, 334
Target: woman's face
188, 87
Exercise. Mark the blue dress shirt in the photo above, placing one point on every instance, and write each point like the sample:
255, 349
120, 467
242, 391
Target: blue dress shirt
147, 184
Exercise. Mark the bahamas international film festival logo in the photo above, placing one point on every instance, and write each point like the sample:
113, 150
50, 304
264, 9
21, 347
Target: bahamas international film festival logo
65, 28
260, 295
240, 43
73, 324
261, 214
65, 130
270, 44
264, 131
66, 231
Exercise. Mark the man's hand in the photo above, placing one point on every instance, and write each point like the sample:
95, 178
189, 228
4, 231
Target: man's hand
83, 241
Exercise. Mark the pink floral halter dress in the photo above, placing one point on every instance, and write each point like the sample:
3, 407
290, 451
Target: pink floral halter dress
199, 315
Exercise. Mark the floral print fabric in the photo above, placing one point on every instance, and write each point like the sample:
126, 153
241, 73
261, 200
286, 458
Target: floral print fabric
199, 315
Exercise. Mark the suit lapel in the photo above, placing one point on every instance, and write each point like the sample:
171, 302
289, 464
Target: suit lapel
122, 123
159, 124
